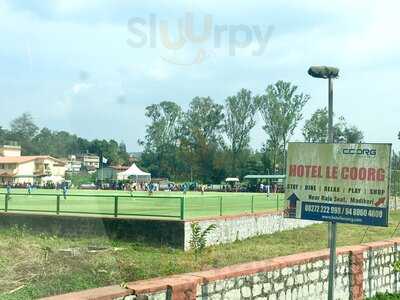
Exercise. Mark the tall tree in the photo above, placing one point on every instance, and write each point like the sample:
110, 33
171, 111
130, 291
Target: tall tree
201, 136
24, 126
23, 130
281, 109
315, 129
239, 120
162, 137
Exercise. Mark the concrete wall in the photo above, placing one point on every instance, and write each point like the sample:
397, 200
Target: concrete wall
361, 272
175, 233
155, 232
240, 227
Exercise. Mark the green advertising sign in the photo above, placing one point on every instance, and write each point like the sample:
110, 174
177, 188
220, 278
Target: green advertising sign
345, 183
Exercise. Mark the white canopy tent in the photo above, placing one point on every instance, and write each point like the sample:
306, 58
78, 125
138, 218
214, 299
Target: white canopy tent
232, 179
53, 179
135, 173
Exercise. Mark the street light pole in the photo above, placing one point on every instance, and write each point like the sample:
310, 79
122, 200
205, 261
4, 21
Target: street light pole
332, 225
330, 111
329, 73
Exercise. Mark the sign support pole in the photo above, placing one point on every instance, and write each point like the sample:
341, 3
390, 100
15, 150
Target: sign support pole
332, 225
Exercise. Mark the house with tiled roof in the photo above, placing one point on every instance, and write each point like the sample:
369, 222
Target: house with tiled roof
18, 169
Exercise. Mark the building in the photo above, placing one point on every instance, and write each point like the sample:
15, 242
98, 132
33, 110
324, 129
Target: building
72, 165
17, 169
107, 174
10, 150
133, 157
89, 161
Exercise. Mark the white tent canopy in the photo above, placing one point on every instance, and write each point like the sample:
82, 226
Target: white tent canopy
134, 172
54, 179
232, 179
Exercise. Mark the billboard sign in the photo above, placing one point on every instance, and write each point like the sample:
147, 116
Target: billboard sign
345, 183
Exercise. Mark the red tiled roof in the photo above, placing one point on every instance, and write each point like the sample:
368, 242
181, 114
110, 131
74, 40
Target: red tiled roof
119, 168
5, 174
24, 159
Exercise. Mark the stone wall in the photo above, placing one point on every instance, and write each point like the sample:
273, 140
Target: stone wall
378, 269
361, 271
240, 227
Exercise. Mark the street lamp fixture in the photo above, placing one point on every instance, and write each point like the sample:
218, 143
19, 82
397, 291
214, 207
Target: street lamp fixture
329, 73
323, 72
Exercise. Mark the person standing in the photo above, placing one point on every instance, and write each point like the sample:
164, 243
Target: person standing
8, 189
132, 188
65, 190
29, 188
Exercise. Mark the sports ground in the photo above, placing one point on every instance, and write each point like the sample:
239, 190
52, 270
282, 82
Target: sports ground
174, 205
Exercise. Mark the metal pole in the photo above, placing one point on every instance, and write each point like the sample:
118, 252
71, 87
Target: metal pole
330, 111
6, 202
182, 208
395, 190
58, 205
330, 135
115, 206
332, 263
277, 201
332, 227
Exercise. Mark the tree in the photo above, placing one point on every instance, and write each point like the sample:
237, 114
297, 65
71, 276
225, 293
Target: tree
353, 135
162, 138
24, 126
44, 142
3, 136
239, 120
281, 109
201, 137
316, 129
23, 130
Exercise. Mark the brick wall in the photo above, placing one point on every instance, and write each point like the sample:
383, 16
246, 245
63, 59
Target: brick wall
361, 271
240, 227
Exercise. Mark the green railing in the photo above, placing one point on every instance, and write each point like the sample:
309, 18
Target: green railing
175, 207
222, 205
111, 205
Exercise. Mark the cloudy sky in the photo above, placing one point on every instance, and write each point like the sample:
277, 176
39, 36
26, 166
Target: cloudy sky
91, 67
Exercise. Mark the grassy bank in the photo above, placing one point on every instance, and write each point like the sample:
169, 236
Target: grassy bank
34, 266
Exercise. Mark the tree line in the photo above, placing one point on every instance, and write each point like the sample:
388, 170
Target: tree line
207, 142
210, 141
42, 141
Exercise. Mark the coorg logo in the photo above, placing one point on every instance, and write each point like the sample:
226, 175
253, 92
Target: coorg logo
367, 152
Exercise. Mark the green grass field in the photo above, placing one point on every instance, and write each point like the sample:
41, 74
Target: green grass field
161, 204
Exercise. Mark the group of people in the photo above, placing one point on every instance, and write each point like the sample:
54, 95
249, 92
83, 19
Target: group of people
29, 188
153, 187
